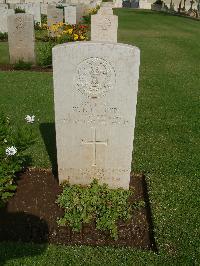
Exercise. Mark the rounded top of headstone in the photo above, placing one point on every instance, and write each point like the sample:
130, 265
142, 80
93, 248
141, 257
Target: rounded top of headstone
97, 44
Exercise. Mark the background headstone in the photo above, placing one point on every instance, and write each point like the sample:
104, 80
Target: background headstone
21, 38
105, 11
4, 13
3, 6
104, 26
44, 9
54, 15
33, 9
81, 10
95, 95
70, 15
118, 3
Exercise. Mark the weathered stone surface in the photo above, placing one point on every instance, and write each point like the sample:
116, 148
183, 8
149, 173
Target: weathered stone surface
3, 6
4, 13
81, 10
33, 9
21, 38
117, 3
95, 94
145, 4
104, 27
70, 15
44, 9
107, 4
54, 15
105, 11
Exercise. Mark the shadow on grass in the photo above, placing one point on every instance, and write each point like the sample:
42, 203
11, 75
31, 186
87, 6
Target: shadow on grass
16, 251
149, 215
48, 133
20, 227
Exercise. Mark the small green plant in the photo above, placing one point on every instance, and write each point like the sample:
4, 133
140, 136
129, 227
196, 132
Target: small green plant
43, 19
13, 157
3, 36
158, 2
21, 65
19, 10
95, 202
45, 53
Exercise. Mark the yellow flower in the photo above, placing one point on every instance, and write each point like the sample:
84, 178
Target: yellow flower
75, 37
82, 37
70, 31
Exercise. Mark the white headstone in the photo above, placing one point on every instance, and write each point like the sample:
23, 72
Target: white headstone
144, 4
33, 9
33, 1
11, 2
80, 12
107, 4
21, 38
70, 15
118, 3
3, 6
104, 26
54, 15
44, 9
105, 11
4, 13
95, 95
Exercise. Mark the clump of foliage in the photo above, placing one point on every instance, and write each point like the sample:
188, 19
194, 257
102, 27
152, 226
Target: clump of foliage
13, 156
158, 2
95, 202
58, 34
43, 19
45, 53
3, 36
21, 65
19, 10
62, 32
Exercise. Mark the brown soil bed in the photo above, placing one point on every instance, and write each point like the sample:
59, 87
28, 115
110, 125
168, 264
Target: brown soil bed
31, 216
33, 68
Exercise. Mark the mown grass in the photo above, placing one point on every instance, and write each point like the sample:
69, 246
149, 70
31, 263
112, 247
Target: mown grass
166, 146
4, 53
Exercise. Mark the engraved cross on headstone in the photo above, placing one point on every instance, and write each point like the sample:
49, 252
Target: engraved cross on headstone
94, 142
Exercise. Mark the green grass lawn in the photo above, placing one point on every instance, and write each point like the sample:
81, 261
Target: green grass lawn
166, 146
4, 53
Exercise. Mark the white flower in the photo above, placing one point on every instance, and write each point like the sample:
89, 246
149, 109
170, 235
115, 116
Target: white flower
30, 119
10, 151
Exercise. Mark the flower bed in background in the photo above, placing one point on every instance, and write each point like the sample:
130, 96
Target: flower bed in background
57, 34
